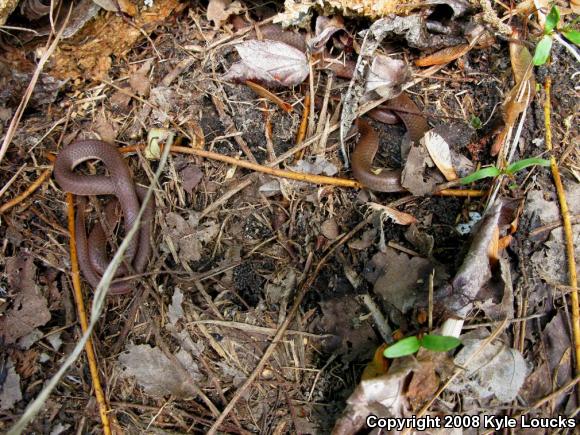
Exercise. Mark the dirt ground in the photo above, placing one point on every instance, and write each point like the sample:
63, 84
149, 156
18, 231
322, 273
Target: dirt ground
229, 263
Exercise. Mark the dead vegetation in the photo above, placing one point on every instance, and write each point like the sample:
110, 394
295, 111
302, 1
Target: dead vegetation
276, 279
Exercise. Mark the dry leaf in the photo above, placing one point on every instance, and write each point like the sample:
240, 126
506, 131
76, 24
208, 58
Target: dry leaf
387, 76
29, 308
158, 374
443, 56
191, 175
365, 241
402, 278
320, 166
139, 80
351, 338
10, 392
440, 154
413, 177
324, 29
381, 396
270, 188
398, 217
105, 128
329, 229
269, 62
175, 310
187, 236
219, 11
458, 297
549, 261
497, 370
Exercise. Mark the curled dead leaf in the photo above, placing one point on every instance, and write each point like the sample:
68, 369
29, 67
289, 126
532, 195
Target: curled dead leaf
325, 28
443, 56
440, 154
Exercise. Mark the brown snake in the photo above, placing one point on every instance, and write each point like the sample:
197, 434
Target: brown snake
92, 251
366, 148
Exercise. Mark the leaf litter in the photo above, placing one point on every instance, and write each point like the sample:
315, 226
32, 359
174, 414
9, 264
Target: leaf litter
231, 262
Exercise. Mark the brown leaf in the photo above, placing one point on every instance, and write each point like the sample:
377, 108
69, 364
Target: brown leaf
387, 76
325, 28
444, 56
219, 11
493, 370
186, 238
139, 79
329, 229
440, 153
269, 62
158, 374
191, 175
105, 128
398, 217
382, 396
10, 392
339, 317
521, 94
424, 383
29, 308
402, 277
414, 178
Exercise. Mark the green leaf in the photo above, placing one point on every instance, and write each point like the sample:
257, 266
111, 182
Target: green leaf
522, 164
490, 171
543, 50
440, 343
552, 20
475, 122
406, 346
573, 36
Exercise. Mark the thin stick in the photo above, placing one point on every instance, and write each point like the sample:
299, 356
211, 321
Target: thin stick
315, 179
299, 176
29, 191
573, 279
76, 280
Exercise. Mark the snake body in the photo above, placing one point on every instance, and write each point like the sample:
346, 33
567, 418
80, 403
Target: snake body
92, 250
368, 145
366, 148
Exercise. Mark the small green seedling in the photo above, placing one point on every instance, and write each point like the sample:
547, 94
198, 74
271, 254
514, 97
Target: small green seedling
545, 45
475, 122
410, 345
493, 171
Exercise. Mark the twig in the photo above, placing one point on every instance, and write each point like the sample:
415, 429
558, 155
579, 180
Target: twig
299, 176
29, 191
265, 93
573, 280
316, 179
78, 296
